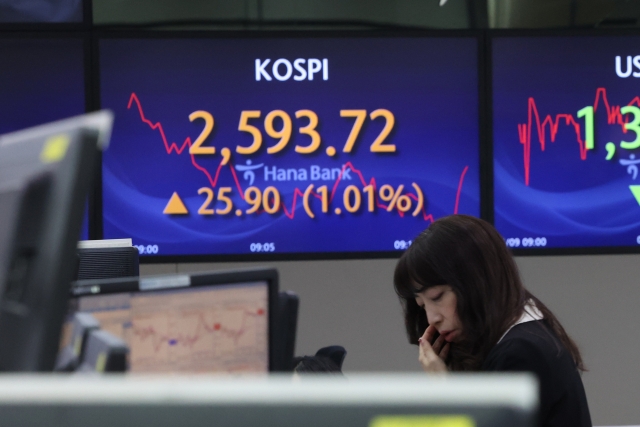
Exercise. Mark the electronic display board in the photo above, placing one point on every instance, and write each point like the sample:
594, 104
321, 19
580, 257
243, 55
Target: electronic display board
566, 133
287, 145
41, 80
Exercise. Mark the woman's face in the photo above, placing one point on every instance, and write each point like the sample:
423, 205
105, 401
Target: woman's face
439, 302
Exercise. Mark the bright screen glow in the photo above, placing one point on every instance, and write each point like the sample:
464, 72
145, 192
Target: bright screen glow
566, 140
285, 145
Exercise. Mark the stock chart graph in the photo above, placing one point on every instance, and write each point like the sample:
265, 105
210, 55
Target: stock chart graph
202, 329
221, 331
566, 132
287, 145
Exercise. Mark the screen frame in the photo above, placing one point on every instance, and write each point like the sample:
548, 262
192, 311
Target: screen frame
131, 285
532, 33
107, 33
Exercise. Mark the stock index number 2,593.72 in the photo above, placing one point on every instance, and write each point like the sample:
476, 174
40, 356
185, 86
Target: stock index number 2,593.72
284, 131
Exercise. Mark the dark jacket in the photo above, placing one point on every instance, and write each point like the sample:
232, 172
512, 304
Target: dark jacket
534, 347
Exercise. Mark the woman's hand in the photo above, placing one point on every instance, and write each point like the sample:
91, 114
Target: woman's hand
433, 354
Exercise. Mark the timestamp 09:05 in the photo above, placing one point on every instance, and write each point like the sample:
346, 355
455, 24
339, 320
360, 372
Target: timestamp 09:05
262, 247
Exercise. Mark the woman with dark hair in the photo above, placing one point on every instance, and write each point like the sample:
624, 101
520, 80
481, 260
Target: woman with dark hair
466, 308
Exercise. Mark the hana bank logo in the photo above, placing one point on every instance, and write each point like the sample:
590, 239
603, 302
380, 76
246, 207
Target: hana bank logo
248, 170
313, 173
631, 164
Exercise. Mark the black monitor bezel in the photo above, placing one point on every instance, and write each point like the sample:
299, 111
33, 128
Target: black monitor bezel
131, 32
131, 285
51, 270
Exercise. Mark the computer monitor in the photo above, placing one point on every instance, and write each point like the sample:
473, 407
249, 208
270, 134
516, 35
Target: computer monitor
201, 322
565, 156
45, 175
104, 353
250, 158
73, 352
288, 303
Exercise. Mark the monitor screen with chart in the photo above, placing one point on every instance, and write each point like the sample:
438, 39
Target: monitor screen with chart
566, 140
45, 174
285, 145
177, 324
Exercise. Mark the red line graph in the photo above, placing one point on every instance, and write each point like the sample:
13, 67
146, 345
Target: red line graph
187, 143
614, 116
202, 327
213, 181
464, 172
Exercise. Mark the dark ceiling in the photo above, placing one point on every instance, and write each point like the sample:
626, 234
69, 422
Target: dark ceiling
356, 14
439, 14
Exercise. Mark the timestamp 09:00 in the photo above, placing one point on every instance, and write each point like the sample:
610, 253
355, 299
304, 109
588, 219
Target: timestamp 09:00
526, 242
147, 250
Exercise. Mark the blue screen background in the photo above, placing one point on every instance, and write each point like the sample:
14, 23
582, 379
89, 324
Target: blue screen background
430, 85
41, 80
571, 202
